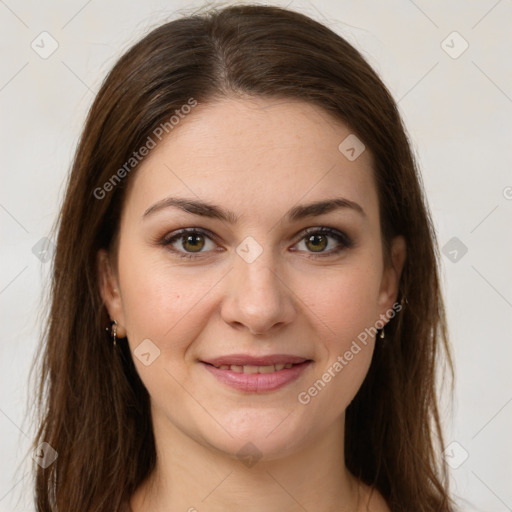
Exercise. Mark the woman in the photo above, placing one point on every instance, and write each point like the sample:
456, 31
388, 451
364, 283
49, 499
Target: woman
245, 219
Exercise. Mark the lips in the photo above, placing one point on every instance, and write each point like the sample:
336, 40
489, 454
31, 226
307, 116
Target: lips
257, 374
246, 368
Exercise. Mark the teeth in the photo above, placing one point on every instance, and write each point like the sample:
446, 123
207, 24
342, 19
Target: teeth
255, 369
265, 369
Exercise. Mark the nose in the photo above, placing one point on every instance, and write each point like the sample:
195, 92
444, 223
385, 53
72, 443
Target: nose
257, 297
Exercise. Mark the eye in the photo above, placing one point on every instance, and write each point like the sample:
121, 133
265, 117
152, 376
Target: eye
316, 241
191, 241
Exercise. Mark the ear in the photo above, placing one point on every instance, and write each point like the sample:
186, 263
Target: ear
110, 291
388, 292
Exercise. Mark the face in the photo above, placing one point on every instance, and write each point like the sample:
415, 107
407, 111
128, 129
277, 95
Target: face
259, 280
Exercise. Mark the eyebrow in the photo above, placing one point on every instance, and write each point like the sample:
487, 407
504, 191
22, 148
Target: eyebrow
204, 209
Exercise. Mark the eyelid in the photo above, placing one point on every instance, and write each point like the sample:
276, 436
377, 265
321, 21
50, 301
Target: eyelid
170, 238
342, 238
185, 231
326, 230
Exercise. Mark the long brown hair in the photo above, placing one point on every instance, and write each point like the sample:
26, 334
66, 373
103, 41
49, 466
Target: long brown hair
94, 409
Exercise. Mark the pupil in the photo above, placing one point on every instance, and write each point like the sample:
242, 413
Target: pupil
192, 240
314, 239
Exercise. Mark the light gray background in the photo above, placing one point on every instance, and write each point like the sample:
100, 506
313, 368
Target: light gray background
458, 112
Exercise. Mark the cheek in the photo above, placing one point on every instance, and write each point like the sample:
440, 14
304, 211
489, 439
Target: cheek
170, 307
347, 309
163, 302
347, 303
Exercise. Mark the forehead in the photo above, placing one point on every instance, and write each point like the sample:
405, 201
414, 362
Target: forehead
255, 156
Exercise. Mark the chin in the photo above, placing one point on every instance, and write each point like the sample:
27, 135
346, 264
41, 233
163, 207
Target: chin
259, 435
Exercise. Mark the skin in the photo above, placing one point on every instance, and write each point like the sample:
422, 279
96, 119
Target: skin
258, 158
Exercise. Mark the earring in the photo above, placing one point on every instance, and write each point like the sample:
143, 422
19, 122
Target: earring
381, 334
113, 332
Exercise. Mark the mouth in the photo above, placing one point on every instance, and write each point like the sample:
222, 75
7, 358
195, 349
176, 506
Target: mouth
270, 368
257, 375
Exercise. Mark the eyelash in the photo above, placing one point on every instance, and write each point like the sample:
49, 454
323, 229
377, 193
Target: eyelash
344, 241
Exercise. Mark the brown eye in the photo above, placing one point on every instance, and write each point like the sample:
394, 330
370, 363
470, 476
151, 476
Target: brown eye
317, 243
193, 243
189, 243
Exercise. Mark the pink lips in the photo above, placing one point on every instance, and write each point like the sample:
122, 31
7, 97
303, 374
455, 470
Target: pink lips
257, 382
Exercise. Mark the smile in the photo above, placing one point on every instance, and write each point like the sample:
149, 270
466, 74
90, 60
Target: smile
255, 369
257, 379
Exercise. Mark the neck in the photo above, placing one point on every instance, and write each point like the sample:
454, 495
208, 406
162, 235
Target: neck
192, 476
